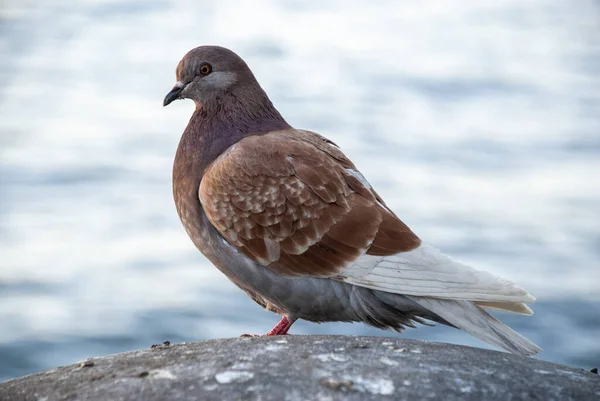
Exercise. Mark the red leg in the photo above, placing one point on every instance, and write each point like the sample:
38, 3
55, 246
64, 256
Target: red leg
281, 328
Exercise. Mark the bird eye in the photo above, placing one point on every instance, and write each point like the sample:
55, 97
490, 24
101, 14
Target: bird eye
205, 69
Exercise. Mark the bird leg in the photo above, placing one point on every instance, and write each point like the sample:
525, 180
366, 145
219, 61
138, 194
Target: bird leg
281, 328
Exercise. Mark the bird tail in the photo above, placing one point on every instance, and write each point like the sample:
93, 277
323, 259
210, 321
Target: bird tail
470, 317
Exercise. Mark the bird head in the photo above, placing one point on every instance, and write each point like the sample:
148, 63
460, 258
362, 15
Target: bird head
208, 72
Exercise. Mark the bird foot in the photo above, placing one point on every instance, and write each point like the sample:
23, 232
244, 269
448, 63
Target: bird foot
281, 329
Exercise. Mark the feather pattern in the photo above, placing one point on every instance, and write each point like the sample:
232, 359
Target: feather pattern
297, 210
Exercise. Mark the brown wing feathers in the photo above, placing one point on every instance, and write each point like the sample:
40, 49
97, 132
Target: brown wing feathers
286, 200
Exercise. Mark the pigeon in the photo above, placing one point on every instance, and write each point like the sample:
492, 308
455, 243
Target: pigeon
291, 221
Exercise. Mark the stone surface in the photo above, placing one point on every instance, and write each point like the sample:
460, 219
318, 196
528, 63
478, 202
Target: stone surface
308, 368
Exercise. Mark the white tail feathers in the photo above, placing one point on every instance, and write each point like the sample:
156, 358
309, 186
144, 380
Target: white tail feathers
470, 317
453, 291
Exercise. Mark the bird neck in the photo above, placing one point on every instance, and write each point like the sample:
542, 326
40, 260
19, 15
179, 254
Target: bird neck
221, 123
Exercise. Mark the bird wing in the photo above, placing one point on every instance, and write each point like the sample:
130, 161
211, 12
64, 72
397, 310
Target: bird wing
292, 201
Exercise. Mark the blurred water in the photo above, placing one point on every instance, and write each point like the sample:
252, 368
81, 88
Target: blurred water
479, 125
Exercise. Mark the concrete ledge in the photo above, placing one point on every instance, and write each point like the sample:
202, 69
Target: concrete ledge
308, 368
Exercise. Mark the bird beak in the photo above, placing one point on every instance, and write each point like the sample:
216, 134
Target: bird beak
174, 94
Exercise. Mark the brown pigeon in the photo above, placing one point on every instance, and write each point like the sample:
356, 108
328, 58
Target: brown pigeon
287, 217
